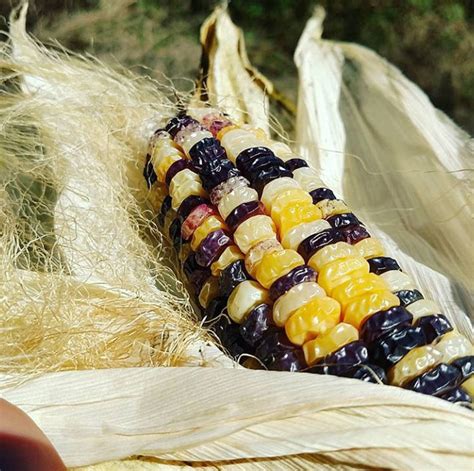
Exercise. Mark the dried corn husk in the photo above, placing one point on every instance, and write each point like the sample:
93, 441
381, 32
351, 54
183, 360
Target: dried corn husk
399, 162
207, 414
227, 78
235, 418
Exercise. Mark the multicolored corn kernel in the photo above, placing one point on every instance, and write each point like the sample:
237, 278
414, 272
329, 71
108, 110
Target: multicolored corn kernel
353, 288
243, 212
408, 297
275, 265
299, 274
330, 253
309, 246
386, 351
323, 345
293, 299
254, 230
211, 247
231, 276
314, 318
244, 298
434, 326
435, 381
384, 322
292, 238
258, 322
335, 273
359, 309
414, 363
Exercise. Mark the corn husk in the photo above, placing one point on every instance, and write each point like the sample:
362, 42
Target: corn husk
215, 417
207, 414
404, 166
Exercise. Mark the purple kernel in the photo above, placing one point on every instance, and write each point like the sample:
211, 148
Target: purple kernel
354, 234
343, 360
257, 323
383, 322
211, 247
291, 360
435, 381
296, 276
343, 220
434, 326
175, 168
242, 212
315, 242
320, 194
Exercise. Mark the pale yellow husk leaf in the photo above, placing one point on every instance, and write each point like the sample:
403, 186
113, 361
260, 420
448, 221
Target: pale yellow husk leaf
208, 414
228, 80
401, 164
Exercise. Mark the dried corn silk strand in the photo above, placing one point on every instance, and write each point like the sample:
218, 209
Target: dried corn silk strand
80, 286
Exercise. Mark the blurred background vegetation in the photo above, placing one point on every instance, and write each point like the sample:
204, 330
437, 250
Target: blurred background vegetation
431, 41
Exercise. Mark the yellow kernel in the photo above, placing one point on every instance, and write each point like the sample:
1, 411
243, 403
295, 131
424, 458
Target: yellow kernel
312, 319
276, 264
413, 364
370, 248
231, 254
468, 386
164, 166
293, 299
288, 198
209, 290
332, 340
298, 213
335, 273
331, 253
332, 207
244, 298
210, 224
453, 345
276, 187
256, 253
254, 230
355, 287
364, 306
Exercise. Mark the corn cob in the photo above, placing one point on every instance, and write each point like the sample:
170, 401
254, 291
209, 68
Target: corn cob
344, 273
333, 243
